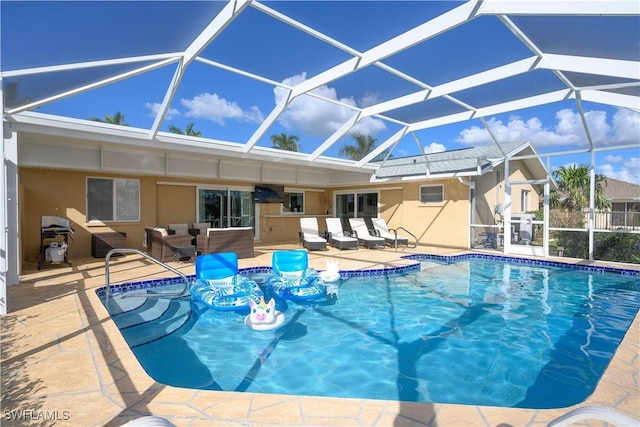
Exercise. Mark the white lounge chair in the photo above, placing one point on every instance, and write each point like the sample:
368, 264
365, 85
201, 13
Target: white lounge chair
310, 235
337, 236
380, 225
364, 236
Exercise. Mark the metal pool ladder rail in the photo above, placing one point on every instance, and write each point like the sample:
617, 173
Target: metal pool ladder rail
395, 232
136, 251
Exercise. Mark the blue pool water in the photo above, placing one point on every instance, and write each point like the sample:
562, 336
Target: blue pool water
477, 331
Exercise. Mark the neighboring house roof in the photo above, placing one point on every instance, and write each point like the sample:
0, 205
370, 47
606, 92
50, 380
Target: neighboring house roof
615, 190
465, 162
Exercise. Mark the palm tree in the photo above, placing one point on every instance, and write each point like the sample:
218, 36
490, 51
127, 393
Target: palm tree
364, 144
285, 142
10, 94
574, 188
116, 119
188, 130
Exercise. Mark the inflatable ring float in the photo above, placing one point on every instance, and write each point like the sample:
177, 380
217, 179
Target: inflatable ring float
329, 276
264, 316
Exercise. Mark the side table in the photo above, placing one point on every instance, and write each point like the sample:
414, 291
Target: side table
102, 243
184, 253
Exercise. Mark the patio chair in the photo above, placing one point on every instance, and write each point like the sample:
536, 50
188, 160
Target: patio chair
292, 279
338, 237
198, 228
179, 229
310, 235
382, 230
219, 284
164, 246
363, 234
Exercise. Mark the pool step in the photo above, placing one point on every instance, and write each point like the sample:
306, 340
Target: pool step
145, 311
175, 315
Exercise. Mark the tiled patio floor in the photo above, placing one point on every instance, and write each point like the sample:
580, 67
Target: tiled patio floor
65, 363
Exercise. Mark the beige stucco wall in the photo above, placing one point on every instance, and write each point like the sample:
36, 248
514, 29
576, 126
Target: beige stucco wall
439, 224
163, 201
278, 228
63, 194
490, 192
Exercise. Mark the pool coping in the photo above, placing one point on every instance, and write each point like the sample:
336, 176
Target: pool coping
249, 271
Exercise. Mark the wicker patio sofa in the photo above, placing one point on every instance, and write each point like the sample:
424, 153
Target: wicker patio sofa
164, 246
235, 239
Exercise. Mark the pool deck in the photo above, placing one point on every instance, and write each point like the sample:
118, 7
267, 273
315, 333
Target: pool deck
65, 363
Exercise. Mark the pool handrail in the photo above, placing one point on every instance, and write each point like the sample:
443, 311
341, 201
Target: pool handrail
395, 233
107, 280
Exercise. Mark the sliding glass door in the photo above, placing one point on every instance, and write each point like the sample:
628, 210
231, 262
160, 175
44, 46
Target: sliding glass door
226, 207
356, 205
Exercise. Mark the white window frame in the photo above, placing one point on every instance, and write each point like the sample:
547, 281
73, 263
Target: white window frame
524, 200
431, 186
114, 212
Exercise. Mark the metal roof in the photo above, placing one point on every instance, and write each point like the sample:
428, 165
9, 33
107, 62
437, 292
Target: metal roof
244, 70
464, 162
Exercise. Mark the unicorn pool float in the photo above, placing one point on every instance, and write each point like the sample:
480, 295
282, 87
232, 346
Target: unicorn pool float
263, 315
332, 273
219, 285
292, 279
331, 277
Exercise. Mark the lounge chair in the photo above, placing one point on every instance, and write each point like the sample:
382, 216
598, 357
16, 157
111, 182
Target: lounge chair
219, 285
382, 230
310, 235
365, 237
338, 237
292, 279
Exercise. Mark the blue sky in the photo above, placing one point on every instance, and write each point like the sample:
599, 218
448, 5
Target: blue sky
228, 106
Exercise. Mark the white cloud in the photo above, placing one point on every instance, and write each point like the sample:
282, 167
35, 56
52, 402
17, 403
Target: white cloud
626, 126
628, 171
369, 98
434, 147
212, 107
313, 116
613, 159
154, 107
567, 130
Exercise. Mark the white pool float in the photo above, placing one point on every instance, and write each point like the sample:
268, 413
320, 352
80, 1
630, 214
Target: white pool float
264, 316
332, 273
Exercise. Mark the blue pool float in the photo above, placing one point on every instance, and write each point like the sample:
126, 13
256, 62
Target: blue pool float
219, 285
292, 279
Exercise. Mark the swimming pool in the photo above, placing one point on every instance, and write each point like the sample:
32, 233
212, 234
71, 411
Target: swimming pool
465, 330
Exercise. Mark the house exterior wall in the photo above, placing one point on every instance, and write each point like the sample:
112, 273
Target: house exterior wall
172, 200
439, 224
434, 224
63, 193
162, 201
490, 193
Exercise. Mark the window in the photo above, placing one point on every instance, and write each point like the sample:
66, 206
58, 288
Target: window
293, 203
431, 194
113, 199
524, 200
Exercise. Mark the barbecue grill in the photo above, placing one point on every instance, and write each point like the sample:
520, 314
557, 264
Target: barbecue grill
54, 240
